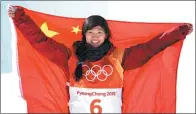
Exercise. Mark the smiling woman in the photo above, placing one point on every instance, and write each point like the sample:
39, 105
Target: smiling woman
45, 75
96, 51
96, 36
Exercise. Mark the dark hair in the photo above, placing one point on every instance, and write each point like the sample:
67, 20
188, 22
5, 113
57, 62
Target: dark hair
80, 46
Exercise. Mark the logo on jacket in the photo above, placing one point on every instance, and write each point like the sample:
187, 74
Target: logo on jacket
96, 74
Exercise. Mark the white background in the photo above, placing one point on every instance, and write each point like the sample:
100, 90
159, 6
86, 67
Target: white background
140, 11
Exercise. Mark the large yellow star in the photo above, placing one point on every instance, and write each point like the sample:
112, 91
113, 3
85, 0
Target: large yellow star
76, 29
47, 32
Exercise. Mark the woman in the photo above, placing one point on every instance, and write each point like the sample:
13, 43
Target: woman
96, 77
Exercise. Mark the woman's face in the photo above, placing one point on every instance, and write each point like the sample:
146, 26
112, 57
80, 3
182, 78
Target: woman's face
96, 36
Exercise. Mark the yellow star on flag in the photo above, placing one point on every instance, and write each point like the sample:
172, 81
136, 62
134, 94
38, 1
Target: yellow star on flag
47, 32
76, 29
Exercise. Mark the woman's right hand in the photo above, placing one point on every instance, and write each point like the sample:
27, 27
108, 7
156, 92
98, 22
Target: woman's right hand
12, 10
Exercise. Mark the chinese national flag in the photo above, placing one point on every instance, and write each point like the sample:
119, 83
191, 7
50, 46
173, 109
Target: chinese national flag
150, 88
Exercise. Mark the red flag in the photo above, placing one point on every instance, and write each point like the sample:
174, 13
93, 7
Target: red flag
149, 88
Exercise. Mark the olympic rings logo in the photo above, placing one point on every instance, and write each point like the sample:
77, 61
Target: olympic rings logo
98, 73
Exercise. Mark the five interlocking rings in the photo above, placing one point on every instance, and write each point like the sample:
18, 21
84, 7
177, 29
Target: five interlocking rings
97, 74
